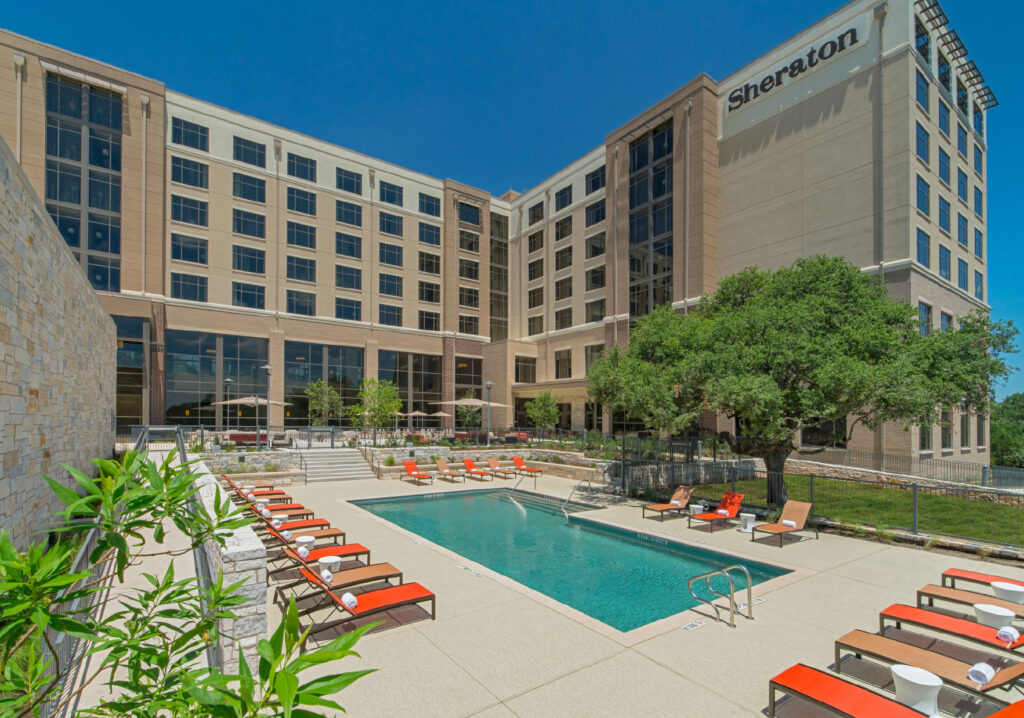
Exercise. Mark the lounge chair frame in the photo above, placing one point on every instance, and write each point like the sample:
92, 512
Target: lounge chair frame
682, 494
711, 517
800, 515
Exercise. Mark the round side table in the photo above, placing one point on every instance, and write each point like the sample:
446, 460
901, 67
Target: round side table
747, 522
917, 688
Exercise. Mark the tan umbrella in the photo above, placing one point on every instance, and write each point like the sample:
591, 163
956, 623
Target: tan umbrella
470, 402
440, 413
250, 401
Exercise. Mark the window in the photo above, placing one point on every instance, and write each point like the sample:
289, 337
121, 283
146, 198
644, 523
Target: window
925, 440
563, 228
595, 180
390, 193
961, 229
978, 243
430, 263
979, 121
469, 241
104, 234
595, 245
535, 242
961, 96
104, 274
469, 297
348, 309
64, 183
946, 430
430, 292
535, 270
922, 91
249, 188
348, 213
68, 222
348, 181
188, 249
105, 150
430, 205
300, 303
248, 259
348, 245
981, 430
945, 77
252, 296
430, 321
563, 258
188, 134
595, 213
536, 213
105, 108
979, 286
301, 235
924, 249
390, 315
563, 318
468, 269
594, 311
961, 185
943, 214
469, 324
299, 200
563, 198
390, 285
925, 312
468, 213
961, 274
252, 153
526, 370
923, 200
301, 167
249, 223
348, 277
188, 286
944, 165
591, 353
922, 143
563, 288
104, 191
190, 172
961, 140
430, 233
944, 118
535, 298
978, 201
978, 161
185, 209
391, 224
301, 269
944, 262
563, 364
945, 322
64, 139
63, 96
535, 325
965, 429
922, 41
391, 254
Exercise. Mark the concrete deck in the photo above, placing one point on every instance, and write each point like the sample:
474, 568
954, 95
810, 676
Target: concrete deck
499, 649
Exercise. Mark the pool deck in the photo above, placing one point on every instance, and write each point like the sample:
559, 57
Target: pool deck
500, 649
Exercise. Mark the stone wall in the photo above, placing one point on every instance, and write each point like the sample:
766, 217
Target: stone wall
237, 461
57, 360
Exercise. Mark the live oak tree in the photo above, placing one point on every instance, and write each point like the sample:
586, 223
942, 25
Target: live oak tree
468, 416
1007, 438
781, 351
543, 410
324, 402
376, 405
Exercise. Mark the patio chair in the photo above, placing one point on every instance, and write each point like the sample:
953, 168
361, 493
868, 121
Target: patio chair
966, 629
679, 502
374, 573
523, 468
794, 518
835, 695
931, 593
445, 471
293, 514
476, 473
951, 575
727, 509
496, 468
413, 471
257, 487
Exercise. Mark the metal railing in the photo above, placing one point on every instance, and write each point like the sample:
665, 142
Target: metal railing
731, 596
569, 497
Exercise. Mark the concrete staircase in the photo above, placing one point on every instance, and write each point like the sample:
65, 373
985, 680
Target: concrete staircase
336, 465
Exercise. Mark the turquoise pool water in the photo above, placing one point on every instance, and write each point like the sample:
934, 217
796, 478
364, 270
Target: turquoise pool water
609, 574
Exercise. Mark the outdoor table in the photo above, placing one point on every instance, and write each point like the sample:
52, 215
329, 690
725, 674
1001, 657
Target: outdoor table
306, 541
331, 563
917, 688
747, 522
1008, 591
993, 616
696, 509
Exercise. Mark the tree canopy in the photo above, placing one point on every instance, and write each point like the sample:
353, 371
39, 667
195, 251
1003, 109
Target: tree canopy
376, 406
324, 402
1007, 439
543, 410
468, 415
780, 351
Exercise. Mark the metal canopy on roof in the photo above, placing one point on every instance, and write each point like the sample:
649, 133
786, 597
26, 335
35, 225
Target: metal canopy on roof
932, 13
986, 98
955, 47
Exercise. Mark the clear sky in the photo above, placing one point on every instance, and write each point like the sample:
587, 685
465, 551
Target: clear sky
501, 95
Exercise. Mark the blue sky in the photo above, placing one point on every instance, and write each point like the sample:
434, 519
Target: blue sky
499, 95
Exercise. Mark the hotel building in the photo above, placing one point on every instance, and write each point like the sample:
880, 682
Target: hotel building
221, 243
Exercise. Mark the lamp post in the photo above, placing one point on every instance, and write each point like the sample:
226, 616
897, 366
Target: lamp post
227, 397
267, 368
489, 384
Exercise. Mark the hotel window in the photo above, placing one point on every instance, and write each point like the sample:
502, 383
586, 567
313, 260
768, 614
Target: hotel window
563, 318
430, 292
946, 430
105, 108
979, 121
922, 143
924, 249
526, 370
430, 263
977, 159
961, 140
301, 167
961, 96
252, 153
978, 203
390, 285
63, 96
64, 139
563, 228
595, 213
979, 243
945, 322
961, 185
64, 183
189, 134
925, 440
594, 311
429, 321
563, 258
390, 315
469, 324
468, 269
535, 270
252, 296
300, 303
944, 262
104, 234
922, 91
961, 274
943, 214
248, 259
945, 77
944, 118
595, 245
188, 210
981, 430
535, 242
591, 353
249, 223
391, 254
301, 235
563, 288
563, 198
595, 180
535, 325
299, 200
390, 193
650, 222
536, 213
944, 165
188, 286
923, 198
348, 277
190, 172
391, 224
979, 286
468, 213
430, 234
348, 213
105, 151
961, 229
104, 274
535, 298
348, 245
469, 241
922, 41
249, 188
348, 181
188, 249
430, 205
965, 428
300, 269
69, 223
351, 309
925, 318
469, 297
563, 364
104, 191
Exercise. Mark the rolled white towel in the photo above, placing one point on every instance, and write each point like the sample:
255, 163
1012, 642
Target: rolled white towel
266, 513
790, 524
326, 575
276, 523
676, 503
981, 673
260, 505
722, 512
349, 601
1009, 634
287, 535
250, 496
304, 553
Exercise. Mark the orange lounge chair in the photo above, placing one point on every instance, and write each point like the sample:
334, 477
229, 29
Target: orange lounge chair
963, 628
951, 575
523, 468
931, 593
293, 514
679, 503
476, 473
794, 518
445, 471
496, 468
258, 487
835, 695
340, 580
413, 471
336, 534
727, 509
293, 526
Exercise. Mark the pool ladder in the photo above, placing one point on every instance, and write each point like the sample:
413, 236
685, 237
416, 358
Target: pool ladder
733, 608
581, 482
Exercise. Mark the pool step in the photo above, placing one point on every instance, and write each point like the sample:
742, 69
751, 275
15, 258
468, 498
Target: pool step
336, 465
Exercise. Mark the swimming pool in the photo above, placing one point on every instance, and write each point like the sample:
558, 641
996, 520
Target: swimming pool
609, 574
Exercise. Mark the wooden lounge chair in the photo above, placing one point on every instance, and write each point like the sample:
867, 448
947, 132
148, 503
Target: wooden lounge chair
968, 630
795, 513
276, 538
521, 466
727, 509
476, 473
238, 487
293, 526
445, 471
679, 503
496, 469
341, 580
951, 575
950, 670
835, 695
293, 514
931, 593
413, 471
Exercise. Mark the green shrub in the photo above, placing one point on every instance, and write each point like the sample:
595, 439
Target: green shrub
228, 446
389, 460
271, 466
434, 458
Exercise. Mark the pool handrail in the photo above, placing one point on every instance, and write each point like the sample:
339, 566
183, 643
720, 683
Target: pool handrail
733, 607
591, 486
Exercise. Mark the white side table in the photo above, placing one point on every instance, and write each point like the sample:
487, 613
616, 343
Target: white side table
917, 688
306, 541
747, 522
331, 563
696, 509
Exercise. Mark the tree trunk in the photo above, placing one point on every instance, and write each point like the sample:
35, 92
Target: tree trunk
775, 463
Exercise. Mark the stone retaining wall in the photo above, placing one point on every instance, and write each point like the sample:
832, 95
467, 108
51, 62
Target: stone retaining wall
237, 461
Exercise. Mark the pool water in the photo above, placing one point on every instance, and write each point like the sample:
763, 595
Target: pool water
607, 573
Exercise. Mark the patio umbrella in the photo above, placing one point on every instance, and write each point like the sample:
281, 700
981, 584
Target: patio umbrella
416, 413
440, 413
470, 402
